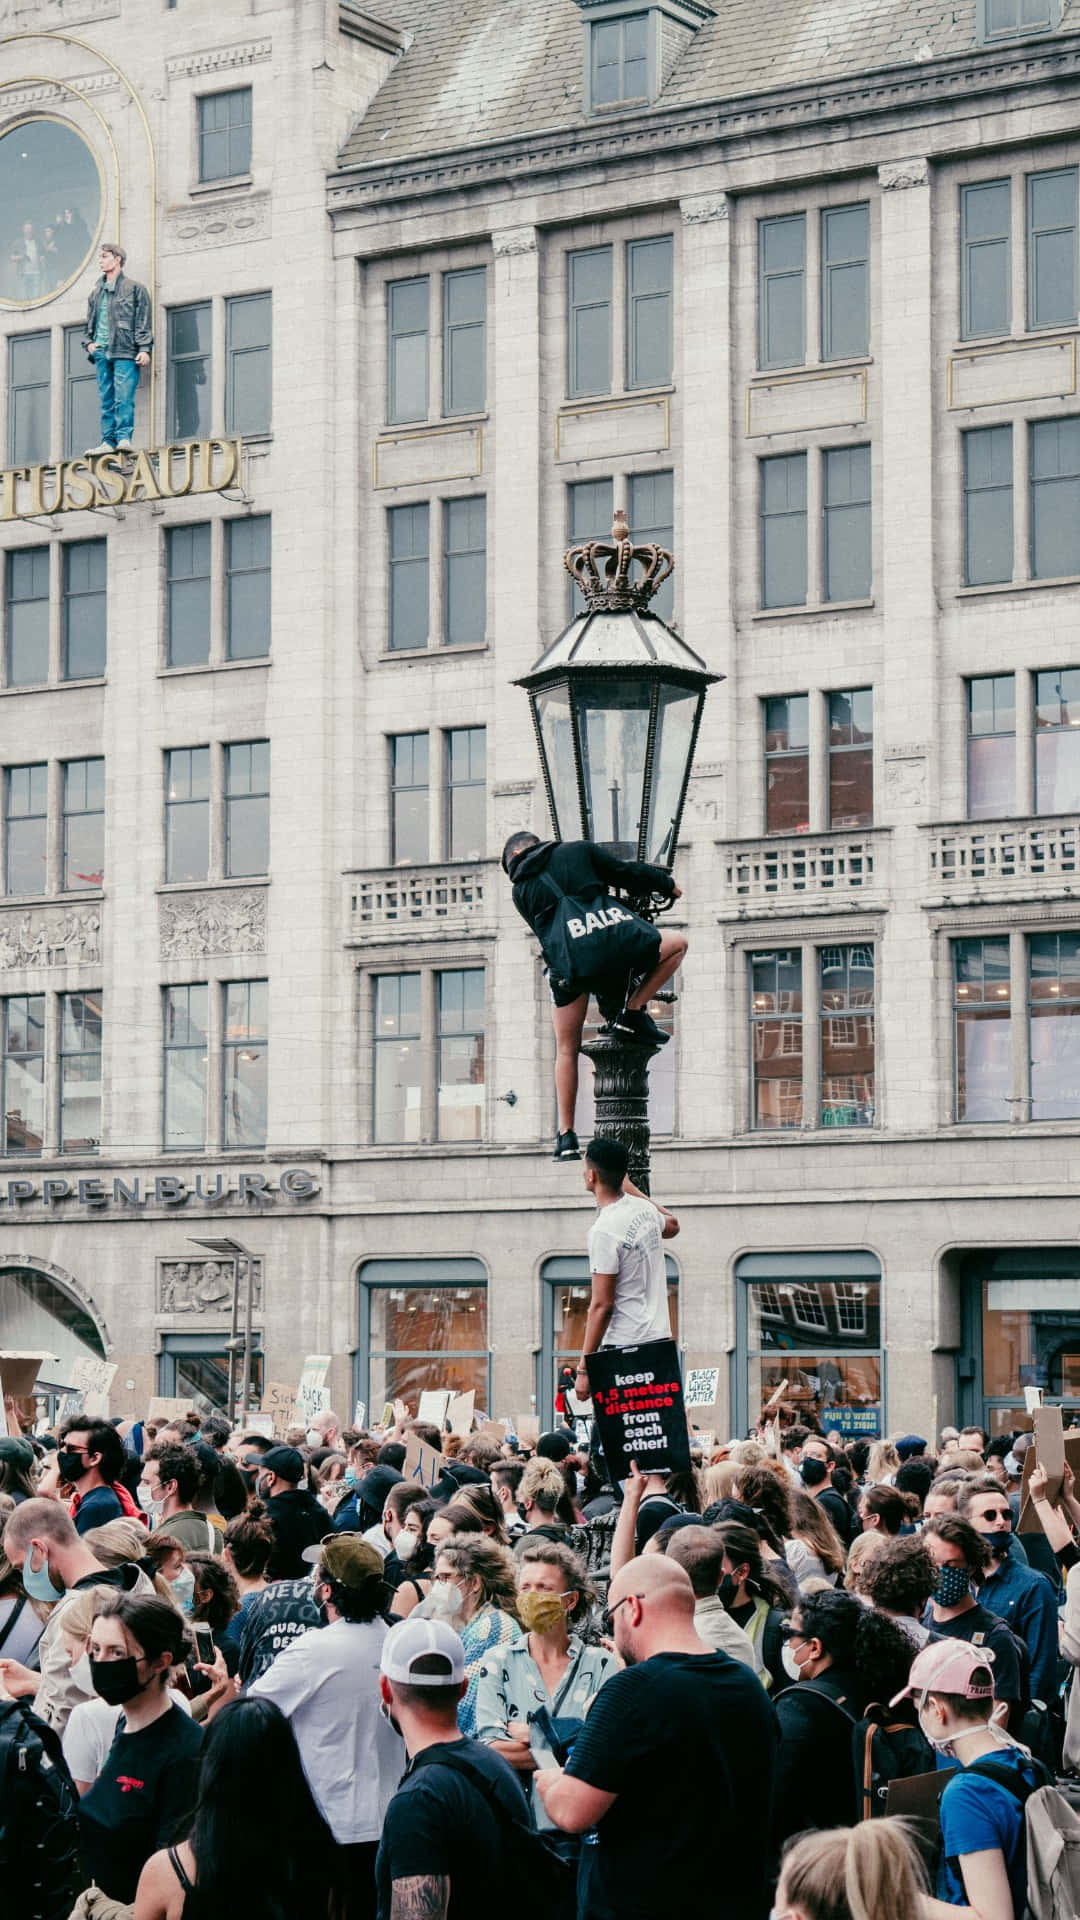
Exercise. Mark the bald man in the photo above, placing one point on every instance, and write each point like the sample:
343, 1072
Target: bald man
674, 1768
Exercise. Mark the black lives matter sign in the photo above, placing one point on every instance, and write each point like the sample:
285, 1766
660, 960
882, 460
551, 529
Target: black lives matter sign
638, 1402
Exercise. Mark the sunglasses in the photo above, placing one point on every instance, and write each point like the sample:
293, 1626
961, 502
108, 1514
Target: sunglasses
607, 1618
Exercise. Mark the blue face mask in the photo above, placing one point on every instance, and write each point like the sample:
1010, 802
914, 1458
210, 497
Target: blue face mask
183, 1589
37, 1581
351, 1477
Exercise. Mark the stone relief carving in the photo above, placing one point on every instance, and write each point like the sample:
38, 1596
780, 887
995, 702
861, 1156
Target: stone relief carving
217, 223
50, 937
905, 776
704, 795
205, 1286
700, 207
215, 59
196, 923
896, 175
514, 240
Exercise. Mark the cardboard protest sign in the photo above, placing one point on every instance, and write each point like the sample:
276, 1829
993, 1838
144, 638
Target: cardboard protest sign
701, 1386
18, 1372
90, 1380
638, 1404
358, 1414
312, 1394
1033, 1398
1050, 1447
527, 1428
433, 1404
422, 1463
164, 1410
1029, 1521
459, 1413
279, 1401
493, 1430
259, 1423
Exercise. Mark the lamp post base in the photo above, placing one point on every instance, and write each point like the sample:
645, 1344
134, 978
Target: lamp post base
621, 1094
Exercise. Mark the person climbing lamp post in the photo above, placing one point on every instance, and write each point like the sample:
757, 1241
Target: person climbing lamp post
616, 704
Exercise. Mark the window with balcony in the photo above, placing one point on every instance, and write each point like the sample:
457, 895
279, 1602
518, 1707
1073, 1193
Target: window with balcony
409, 799
465, 796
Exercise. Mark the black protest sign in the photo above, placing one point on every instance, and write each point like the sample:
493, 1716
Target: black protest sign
637, 1400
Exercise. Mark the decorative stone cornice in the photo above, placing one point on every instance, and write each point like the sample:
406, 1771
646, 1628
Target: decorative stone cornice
216, 59
53, 15
698, 208
511, 240
897, 175
217, 223
45, 93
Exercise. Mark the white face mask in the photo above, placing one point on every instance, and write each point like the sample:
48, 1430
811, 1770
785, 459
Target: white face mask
405, 1544
80, 1673
313, 1439
443, 1602
789, 1663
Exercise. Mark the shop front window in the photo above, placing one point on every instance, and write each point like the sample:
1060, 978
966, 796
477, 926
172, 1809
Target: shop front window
426, 1326
565, 1310
1028, 1301
195, 1367
813, 1325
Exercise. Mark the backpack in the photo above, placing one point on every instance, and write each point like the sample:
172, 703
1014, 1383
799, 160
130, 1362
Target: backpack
1052, 1835
594, 939
544, 1883
39, 1825
885, 1750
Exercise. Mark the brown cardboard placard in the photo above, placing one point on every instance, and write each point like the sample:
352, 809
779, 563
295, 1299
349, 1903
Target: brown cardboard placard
1050, 1448
1029, 1521
167, 1409
527, 1428
279, 1401
459, 1413
421, 1462
18, 1372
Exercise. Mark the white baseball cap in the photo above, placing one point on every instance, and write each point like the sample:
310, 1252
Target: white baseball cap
413, 1640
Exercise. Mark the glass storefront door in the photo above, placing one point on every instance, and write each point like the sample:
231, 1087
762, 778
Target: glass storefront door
567, 1287
1024, 1324
811, 1322
423, 1324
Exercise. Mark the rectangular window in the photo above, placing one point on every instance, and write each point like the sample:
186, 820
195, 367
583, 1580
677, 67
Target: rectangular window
28, 617
787, 763
1057, 741
985, 224
848, 524
82, 418
185, 1066
187, 404
83, 610
783, 530
26, 828
187, 813
408, 798
460, 1067
398, 1061
407, 349
649, 312
652, 519
589, 325
1051, 238
464, 340
1015, 16
776, 1040
619, 61
851, 758
845, 282
187, 595
247, 588
1055, 498
988, 506
590, 510
247, 363
465, 571
465, 799
409, 593
992, 747
80, 1072
847, 1036
1054, 994
782, 291
225, 134
28, 399
981, 1029
247, 808
23, 1116
244, 1063
83, 825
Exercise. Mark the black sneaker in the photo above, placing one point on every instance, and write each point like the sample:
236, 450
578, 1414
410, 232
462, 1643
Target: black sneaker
640, 1025
566, 1147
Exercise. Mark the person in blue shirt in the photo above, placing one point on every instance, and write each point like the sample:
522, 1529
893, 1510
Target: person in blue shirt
984, 1846
1024, 1599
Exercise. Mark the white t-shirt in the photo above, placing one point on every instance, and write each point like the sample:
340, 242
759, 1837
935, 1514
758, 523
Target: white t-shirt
625, 1240
90, 1730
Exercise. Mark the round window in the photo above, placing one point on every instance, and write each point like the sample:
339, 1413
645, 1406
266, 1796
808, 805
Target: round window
50, 209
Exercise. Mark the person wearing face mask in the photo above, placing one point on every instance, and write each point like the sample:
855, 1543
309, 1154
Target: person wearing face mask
146, 1788
399, 1500
1024, 1599
92, 1727
90, 1460
983, 1853
815, 1782
296, 1518
673, 1768
548, 1668
475, 1591
756, 1599
171, 1477
701, 1551
326, 1684
816, 1471
40, 1540
960, 1557
414, 1549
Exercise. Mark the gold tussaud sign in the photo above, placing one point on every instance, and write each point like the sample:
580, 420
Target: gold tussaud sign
120, 479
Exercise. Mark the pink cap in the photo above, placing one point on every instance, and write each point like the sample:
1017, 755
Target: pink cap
946, 1666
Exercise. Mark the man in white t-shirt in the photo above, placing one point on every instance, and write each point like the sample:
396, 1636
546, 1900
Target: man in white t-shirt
626, 1258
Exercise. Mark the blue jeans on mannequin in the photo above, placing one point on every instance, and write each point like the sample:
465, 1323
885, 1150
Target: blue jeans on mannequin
117, 381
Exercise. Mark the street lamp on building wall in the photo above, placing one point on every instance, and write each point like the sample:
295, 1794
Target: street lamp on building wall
616, 703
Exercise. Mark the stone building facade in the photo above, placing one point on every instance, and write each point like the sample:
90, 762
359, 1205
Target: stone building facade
459, 281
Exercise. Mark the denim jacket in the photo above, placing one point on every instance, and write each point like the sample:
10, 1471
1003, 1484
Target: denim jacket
131, 328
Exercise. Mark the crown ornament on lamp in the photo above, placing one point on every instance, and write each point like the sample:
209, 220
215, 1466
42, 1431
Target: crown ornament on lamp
603, 570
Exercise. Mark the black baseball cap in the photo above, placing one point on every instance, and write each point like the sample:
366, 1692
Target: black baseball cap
286, 1462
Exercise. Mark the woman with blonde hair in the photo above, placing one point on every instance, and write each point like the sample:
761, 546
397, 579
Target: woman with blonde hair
883, 1462
481, 1501
475, 1590
543, 1500
718, 1481
813, 1548
869, 1872
122, 1540
864, 1548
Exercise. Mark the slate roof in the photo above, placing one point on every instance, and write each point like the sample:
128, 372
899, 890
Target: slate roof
486, 70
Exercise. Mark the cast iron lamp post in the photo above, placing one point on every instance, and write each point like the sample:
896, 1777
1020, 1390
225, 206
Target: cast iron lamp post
616, 703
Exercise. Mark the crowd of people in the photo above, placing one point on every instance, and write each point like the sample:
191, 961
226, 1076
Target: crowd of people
278, 1677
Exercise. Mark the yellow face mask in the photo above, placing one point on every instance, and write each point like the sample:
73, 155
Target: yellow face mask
541, 1612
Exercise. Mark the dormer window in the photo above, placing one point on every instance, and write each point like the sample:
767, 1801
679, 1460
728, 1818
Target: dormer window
1008, 19
631, 50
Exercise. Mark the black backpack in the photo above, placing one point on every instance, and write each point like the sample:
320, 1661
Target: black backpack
543, 1882
885, 1750
39, 1819
594, 939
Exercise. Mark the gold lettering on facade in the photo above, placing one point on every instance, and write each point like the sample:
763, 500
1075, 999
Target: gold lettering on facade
110, 479
78, 485
8, 482
109, 472
142, 482
166, 458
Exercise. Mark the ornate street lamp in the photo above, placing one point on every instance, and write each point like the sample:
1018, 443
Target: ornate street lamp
616, 703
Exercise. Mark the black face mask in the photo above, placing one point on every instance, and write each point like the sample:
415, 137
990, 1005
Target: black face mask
813, 1471
116, 1681
727, 1589
72, 1465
